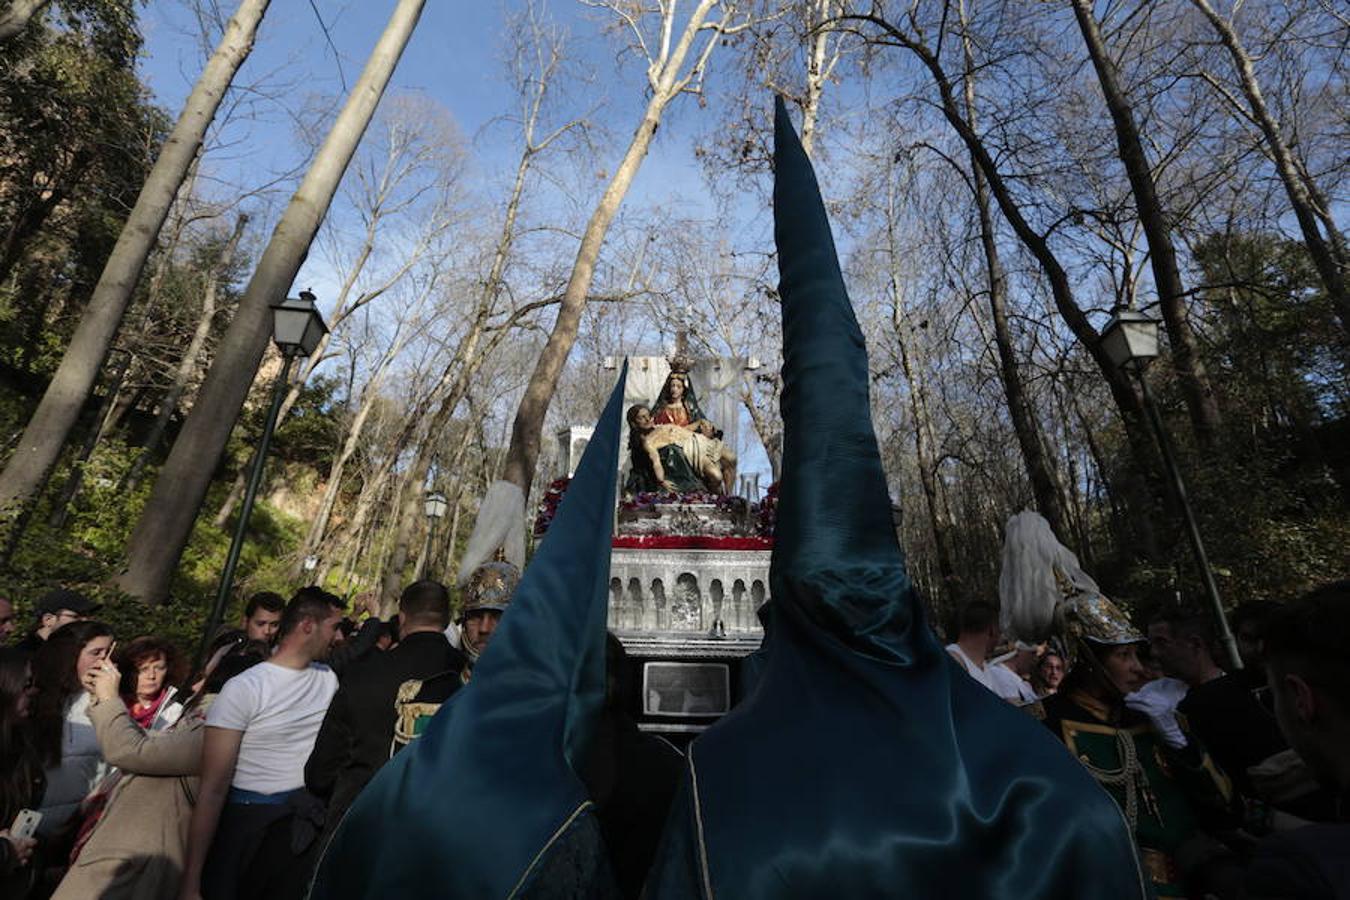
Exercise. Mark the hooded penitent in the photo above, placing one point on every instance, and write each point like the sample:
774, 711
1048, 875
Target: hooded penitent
865, 763
488, 803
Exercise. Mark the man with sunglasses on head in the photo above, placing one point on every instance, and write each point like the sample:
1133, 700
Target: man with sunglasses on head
56, 608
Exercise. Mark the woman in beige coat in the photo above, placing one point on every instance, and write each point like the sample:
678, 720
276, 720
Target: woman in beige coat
136, 850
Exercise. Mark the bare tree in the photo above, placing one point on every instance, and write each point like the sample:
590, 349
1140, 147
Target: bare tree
909, 36
1194, 380
677, 57
1030, 437
192, 357
537, 57
370, 395
49, 428
166, 522
1313, 214
419, 153
909, 343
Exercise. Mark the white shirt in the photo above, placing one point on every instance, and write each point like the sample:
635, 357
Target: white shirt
279, 710
978, 671
1009, 685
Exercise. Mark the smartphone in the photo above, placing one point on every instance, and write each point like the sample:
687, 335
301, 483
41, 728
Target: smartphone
25, 823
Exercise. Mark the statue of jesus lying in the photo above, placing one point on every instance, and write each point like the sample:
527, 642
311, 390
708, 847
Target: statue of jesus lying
679, 459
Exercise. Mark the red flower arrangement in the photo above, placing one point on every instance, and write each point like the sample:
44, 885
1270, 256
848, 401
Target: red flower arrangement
548, 505
762, 514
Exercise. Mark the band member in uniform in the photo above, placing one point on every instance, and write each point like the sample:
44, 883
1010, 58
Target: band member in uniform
1171, 797
486, 597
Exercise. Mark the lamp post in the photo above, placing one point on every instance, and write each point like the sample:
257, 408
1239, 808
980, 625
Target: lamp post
1130, 340
435, 507
297, 329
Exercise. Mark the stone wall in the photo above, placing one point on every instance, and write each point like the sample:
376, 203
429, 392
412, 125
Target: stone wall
686, 591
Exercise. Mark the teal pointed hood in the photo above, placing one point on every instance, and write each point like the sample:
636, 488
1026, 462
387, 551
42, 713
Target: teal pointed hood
836, 560
864, 762
488, 802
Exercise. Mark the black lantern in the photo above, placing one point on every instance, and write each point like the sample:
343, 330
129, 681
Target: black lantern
436, 505
1130, 339
297, 326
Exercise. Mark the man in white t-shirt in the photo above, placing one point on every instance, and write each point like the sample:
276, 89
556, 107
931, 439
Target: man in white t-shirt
1009, 674
978, 637
259, 732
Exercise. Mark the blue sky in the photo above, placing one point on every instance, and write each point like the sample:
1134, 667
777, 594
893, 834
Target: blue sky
456, 58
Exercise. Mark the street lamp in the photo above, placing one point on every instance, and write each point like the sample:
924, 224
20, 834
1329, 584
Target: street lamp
435, 507
1130, 340
297, 329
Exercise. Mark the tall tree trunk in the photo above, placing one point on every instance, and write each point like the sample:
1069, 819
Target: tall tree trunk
17, 15
348, 301
501, 519
923, 449
51, 423
410, 511
318, 526
408, 501
1030, 437
1123, 393
819, 65
1201, 402
770, 431
1077, 509
168, 405
1328, 253
98, 428
456, 514
311, 363
166, 523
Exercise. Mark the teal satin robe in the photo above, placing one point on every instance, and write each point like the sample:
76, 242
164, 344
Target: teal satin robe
864, 762
488, 803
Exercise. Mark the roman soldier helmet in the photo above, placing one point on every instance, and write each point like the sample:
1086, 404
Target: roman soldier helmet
490, 587
1044, 593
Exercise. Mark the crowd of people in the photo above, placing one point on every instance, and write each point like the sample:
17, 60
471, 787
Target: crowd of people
1236, 783
151, 782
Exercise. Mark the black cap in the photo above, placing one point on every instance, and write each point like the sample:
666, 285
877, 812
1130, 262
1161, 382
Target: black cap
64, 598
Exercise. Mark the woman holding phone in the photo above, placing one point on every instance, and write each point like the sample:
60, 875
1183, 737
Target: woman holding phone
63, 670
136, 850
21, 778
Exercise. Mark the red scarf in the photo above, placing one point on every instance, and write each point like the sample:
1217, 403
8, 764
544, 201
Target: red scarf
146, 716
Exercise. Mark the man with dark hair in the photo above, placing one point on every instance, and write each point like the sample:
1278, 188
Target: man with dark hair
358, 732
57, 608
259, 732
1308, 666
262, 616
1217, 708
1309, 672
1248, 622
978, 636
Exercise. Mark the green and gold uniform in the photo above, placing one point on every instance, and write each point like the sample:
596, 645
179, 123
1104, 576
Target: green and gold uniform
1163, 793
